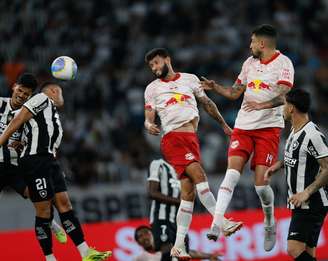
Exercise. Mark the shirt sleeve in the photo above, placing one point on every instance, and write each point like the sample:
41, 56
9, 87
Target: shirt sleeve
37, 103
317, 146
286, 74
149, 98
154, 171
196, 87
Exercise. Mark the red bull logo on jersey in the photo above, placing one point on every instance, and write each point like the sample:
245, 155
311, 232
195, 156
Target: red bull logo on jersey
258, 85
177, 98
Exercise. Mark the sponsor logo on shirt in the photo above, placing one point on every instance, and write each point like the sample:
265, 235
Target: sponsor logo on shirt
177, 98
258, 85
40, 107
291, 162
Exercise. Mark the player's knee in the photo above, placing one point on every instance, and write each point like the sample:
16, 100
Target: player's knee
294, 251
196, 173
188, 195
43, 211
63, 204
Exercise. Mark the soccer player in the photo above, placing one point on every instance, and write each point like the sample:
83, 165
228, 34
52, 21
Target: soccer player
164, 190
265, 78
306, 168
10, 173
173, 97
145, 238
42, 135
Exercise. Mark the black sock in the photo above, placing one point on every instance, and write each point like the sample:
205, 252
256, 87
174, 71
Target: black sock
304, 256
43, 234
72, 226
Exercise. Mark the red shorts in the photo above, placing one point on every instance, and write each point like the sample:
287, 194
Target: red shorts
180, 149
263, 143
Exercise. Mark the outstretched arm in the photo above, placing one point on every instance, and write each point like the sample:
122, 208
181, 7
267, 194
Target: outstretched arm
211, 108
150, 125
275, 102
23, 116
320, 181
232, 93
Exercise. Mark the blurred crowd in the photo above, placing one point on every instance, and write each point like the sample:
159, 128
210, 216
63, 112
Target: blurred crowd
103, 117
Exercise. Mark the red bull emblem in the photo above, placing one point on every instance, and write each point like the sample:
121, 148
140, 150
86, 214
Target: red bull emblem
258, 85
177, 98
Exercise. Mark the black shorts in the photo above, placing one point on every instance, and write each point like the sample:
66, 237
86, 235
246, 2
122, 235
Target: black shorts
43, 177
164, 233
305, 225
11, 176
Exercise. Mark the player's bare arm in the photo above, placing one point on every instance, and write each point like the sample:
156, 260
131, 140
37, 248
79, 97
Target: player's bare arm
275, 102
232, 93
211, 108
155, 193
150, 125
272, 170
23, 116
320, 181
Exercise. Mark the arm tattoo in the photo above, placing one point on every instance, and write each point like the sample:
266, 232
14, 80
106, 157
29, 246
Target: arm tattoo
236, 89
211, 108
277, 101
321, 179
280, 99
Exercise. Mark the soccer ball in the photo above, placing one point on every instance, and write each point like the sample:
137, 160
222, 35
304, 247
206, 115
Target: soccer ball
64, 68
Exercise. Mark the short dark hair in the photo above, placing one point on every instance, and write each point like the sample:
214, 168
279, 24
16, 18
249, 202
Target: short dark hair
300, 99
162, 52
265, 30
138, 229
28, 80
46, 84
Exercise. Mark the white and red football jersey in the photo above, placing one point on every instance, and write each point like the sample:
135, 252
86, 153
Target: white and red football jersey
261, 80
174, 100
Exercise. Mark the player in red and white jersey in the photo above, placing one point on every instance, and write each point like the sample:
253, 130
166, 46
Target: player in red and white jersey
264, 80
173, 97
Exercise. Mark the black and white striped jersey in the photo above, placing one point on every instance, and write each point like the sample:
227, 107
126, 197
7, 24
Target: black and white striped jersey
8, 155
162, 172
42, 134
302, 151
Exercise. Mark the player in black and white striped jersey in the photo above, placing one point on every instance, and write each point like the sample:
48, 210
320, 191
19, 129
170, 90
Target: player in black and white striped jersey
164, 190
9, 171
42, 136
11, 174
306, 167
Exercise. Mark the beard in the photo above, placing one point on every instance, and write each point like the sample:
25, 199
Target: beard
256, 54
165, 71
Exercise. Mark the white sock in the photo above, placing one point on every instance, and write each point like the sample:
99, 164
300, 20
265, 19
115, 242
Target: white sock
206, 197
225, 193
55, 227
184, 217
50, 257
266, 196
83, 249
